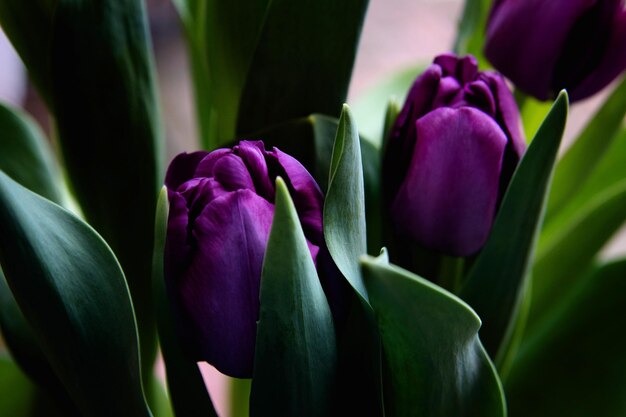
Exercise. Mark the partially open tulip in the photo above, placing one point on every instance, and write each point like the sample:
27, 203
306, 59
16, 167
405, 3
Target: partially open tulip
544, 46
450, 156
221, 211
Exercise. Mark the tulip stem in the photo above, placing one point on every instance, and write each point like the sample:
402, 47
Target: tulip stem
239, 397
451, 273
520, 98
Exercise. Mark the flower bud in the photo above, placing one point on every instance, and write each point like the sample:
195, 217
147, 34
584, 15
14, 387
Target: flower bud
450, 156
221, 211
544, 46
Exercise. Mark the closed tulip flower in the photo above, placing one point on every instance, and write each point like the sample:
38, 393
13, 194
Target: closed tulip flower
221, 211
544, 46
450, 156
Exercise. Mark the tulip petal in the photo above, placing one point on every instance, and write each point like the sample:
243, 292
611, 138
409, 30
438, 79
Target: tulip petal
448, 199
508, 116
253, 154
400, 147
232, 173
509, 119
479, 95
305, 193
177, 248
182, 168
464, 69
199, 192
612, 64
529, 57
205, 167
221, 294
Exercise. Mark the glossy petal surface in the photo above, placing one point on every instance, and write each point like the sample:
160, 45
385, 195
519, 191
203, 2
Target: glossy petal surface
449, 196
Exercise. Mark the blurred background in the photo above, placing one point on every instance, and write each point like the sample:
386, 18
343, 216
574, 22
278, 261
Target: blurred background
398, 34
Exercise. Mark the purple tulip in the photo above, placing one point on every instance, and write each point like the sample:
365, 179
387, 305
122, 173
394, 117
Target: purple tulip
544, 46
221, 211
450, 156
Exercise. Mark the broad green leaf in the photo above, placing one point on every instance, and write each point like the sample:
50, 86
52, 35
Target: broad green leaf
28, 24
295, 355
302, 62
436, 363
495, 284
344, 207
568, 251
228, 37
609, 171
25, 155
580, 230
25, 349
369, 107
574, 364
472, 27
587, 151
298, 56
109, 131
73, 294
188, 393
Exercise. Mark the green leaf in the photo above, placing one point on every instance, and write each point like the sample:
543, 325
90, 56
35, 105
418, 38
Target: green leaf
588, 150
186, 387
472, 27
369, 107
25, 350
344, 207
74, 296
575, 236
25, 155
436, 363
28, 24
495, 284
295, 356
574, 364
568, 251
302, 62
260, 63
18, 392
607, 173
109, 131
25, 399
228, 34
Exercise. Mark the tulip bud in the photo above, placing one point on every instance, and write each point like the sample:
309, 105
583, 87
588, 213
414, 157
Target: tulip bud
545, 46
450, 156
221, 211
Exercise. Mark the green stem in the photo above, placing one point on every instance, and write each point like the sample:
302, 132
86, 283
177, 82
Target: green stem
451, 273
240, 397
520, 98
